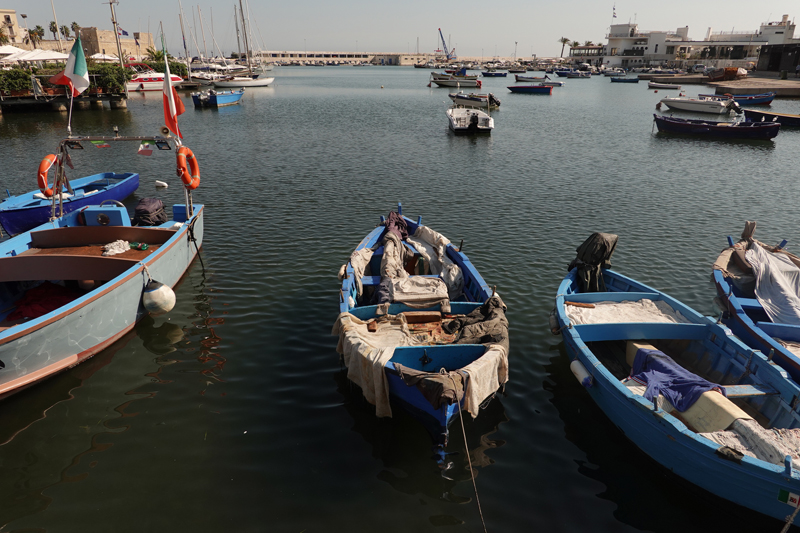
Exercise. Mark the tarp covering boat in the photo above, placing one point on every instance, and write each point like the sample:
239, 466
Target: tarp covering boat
594, 254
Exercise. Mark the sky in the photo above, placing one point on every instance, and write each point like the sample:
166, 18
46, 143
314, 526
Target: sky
475, 28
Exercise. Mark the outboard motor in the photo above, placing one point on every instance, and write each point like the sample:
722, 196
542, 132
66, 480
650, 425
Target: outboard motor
592, 256
473, 123
493, 100
733, 104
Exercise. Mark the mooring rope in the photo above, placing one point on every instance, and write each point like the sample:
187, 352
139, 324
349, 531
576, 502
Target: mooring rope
790, 520
469, 460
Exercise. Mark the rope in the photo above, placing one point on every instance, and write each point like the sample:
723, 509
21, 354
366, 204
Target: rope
194, 240
469, 461
147, 272
790, 520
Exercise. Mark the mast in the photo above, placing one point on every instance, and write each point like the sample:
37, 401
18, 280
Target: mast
185, 49
236, 21
202, 29
250, 26
246, 42
116, 36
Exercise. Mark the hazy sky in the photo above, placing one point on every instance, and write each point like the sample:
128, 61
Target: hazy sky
474, 28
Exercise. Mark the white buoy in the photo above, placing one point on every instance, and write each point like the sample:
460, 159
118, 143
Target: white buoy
158, 298
580, 373
161, 184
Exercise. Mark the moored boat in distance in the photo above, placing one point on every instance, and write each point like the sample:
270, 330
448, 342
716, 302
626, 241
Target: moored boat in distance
519, 78
622, 79
147, 79
744, 99
419, 328
700, 105
680, 386
531, 89
469, 121
656, 85
236, 82
214, 98
719, 130
482, 101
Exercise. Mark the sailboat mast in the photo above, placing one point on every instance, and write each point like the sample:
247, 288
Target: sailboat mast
244, 34
236, 21
202, 29
185, 51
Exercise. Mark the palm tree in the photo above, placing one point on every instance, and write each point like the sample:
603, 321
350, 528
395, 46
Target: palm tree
154, 55
37, 34
564, 42
573, 44
75, 28
3, 36
588, 43
54, 29
65, 31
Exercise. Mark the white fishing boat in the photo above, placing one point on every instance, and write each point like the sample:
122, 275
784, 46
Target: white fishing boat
552, 83
242, 81
701, 105
465, 121
481, 101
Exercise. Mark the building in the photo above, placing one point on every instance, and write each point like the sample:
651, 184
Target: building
16, 36
103, 42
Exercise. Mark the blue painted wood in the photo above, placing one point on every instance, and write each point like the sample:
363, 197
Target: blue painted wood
751, 483
23, 212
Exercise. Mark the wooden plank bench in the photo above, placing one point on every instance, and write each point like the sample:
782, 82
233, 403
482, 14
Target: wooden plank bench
749, 303
376, 280
747, 391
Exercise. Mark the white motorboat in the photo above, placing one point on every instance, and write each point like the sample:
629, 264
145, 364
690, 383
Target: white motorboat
656, 85
481, 101
701, 105
552, 83
146, 79
465, 120
242, 81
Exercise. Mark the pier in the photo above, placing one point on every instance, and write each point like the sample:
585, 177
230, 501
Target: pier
754, 84
29, 102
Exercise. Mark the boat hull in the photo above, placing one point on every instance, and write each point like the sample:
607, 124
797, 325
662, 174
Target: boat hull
531, 89
748, 482
150, 84
217, 99
784, 119
713, 107
744, 99
21, 213
243, 82
44, 346
458, 83
720, 130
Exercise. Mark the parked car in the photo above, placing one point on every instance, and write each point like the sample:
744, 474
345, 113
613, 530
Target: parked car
699, 69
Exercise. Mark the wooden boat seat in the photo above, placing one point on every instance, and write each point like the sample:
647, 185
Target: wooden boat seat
747, 391
750, 303
86, 235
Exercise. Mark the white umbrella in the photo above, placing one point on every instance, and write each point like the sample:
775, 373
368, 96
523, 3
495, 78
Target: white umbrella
8, 50
103, 57
42, 55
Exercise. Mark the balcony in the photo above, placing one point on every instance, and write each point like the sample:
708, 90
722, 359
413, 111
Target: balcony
629, 53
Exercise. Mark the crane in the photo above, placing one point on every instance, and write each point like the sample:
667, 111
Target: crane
450, 55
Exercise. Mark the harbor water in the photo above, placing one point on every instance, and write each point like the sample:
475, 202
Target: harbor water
233, 412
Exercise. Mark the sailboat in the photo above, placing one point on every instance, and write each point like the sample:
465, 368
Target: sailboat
252, 79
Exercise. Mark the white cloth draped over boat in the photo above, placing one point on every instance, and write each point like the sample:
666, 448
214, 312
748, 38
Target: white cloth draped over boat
777, 285
366, 354
644, 310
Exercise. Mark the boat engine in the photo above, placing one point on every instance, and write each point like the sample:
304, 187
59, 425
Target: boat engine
733, 104
473, 123
493, 100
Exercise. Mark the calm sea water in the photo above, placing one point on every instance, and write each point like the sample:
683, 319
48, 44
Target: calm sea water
232, 412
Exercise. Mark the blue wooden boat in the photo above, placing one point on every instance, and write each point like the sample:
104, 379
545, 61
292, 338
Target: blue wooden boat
213, 98
608, 337
717, 130
620, 79
784, 119
531, 89
407, 305
25, 211
62, 300
491, 73
744, 313
744, 99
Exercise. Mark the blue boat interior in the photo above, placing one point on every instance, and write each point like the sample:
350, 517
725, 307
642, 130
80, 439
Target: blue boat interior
63, 259
81, 187
449, 357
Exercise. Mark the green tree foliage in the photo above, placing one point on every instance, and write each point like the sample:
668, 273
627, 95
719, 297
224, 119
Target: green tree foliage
54, 29
564, 42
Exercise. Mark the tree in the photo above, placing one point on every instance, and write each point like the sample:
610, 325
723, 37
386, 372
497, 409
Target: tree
65, 31
75, 28
54, 29
564, 42
37, 34
588, 43
574, 44
3, 36
153, 54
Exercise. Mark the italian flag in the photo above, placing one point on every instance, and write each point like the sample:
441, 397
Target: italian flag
789, 498
75, 74
172, 104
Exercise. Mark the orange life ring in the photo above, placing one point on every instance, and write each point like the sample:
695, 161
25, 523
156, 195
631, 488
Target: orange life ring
189, 174
44, 167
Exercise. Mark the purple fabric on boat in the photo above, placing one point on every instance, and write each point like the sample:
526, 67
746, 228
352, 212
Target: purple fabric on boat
397, 225
664, 376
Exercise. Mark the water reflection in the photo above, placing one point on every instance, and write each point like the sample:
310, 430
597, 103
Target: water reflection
648, 496
401, 441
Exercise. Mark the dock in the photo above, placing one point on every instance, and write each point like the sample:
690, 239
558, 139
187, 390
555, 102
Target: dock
29, 102
757, 84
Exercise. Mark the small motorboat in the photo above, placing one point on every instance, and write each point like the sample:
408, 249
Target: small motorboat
784, 119
578, 74
409, 304
147, 79
744, 99
492, 73
700, 105
469, 121
25, 211
481, 101
656, 85
235, 82
718, 130
541, 88
680, 386
552, 83
213, 98
623, 79
450, 80
755, 289
519, 78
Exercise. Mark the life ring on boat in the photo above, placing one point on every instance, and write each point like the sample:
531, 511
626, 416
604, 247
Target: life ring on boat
44, 167
188, 168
